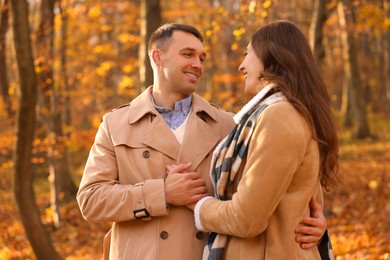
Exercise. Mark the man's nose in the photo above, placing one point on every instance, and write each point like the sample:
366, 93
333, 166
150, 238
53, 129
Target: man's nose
197, 64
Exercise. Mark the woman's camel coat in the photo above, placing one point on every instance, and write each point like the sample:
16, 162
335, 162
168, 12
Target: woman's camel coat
280, 175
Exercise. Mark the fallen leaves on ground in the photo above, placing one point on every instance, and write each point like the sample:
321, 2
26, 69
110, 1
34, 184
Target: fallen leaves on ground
75, 239
357, 212
359, 208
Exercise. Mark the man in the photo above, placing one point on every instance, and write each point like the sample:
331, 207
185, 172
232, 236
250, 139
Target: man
125, 180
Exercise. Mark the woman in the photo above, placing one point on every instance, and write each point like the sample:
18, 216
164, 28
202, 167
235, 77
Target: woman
282, 150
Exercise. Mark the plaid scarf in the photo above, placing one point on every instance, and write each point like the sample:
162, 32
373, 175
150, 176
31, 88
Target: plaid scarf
228, 156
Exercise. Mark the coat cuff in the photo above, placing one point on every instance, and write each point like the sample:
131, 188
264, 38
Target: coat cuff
198, 205
154, 197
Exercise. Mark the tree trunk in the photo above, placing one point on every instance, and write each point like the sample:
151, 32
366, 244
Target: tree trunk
227, 53
25, 128
316, 34
61, 185
65, 86
355, 93
3, 58
384, 91
44, 50
150, 21
67, 188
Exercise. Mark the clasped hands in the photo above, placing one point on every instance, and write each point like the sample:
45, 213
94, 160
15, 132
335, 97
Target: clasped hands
184, 188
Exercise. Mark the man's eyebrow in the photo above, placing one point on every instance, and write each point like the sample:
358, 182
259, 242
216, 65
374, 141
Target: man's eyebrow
187, 49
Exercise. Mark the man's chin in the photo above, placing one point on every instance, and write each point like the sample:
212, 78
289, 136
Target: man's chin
190, 88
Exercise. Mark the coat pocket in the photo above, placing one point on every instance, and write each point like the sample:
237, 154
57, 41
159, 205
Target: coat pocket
133, 244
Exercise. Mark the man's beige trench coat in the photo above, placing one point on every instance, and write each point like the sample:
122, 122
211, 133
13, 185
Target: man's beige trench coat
124, 176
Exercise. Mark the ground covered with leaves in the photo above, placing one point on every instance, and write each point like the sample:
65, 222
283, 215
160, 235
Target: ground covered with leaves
357, 210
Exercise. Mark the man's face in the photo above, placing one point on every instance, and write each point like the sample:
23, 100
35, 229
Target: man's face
181, 64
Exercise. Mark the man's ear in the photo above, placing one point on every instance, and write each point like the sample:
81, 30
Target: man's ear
156, 57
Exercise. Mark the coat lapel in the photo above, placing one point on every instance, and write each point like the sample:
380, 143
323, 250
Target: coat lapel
199, 140
160, 137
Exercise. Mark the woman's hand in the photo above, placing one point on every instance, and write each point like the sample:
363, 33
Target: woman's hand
311, 229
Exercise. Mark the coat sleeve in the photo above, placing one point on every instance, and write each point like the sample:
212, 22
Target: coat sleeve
275, 152
102, 198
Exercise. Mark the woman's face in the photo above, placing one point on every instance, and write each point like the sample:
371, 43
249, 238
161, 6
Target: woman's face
251, 67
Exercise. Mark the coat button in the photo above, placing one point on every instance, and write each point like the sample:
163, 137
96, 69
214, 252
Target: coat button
199, 235
146, 154
164, 235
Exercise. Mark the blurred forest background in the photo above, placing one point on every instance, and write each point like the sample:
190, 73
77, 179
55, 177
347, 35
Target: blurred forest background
64, 63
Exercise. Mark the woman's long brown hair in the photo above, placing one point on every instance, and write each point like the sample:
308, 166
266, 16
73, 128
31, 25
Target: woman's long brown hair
289, 62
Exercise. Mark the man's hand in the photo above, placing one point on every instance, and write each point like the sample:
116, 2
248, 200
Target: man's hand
310, 230
183, 188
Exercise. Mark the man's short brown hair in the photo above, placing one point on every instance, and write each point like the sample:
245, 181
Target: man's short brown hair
160, 37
